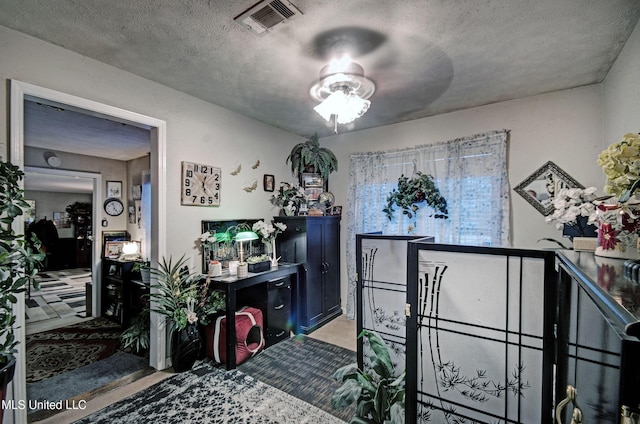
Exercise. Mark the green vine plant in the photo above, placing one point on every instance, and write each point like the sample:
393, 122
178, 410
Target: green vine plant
413, 192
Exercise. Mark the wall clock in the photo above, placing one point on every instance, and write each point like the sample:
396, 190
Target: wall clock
113, 207
200, 184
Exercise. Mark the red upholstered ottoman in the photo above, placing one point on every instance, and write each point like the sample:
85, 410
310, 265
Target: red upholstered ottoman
249, 336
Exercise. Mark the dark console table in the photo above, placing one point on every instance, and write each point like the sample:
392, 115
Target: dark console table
598, 344
266, 291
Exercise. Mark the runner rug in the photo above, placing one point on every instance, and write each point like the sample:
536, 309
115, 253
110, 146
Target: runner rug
62, 294
54, 352
303, 367
208, 394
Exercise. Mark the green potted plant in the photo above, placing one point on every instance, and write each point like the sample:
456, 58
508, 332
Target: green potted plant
413, 192
378, 392
19, 262
183, 297
137, 336
144, 268
310, 157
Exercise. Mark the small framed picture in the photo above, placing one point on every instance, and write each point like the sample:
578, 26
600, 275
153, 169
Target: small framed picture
114, 189
268, 183
136, 191
312, 180
132, 214
313, 193
336, 210
113, 249
61, 219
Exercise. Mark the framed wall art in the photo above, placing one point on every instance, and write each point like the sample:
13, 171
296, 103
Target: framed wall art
136, 191
114, 189
539, 188
268, 182
313, 185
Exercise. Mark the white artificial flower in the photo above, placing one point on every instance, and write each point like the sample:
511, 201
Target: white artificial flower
192, 318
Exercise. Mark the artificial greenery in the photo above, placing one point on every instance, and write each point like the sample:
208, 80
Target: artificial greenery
310, 157
182, 296
414, 191
19, 259
138, 336
256, 259
378, 393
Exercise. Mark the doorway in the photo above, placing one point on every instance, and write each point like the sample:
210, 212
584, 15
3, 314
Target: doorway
156, 240
56, 196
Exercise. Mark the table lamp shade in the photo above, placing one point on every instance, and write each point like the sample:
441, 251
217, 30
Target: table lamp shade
243, 236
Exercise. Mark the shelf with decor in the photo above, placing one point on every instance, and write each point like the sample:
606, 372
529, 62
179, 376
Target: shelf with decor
123, 291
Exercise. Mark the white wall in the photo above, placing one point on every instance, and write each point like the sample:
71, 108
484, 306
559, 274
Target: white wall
196, 131
111, 170
622, 93
564, 127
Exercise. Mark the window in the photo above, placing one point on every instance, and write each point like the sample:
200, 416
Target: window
471, 174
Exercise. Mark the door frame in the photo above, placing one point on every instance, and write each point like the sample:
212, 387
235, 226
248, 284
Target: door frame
21, 91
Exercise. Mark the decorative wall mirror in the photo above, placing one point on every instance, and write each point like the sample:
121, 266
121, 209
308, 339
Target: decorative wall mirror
540, 187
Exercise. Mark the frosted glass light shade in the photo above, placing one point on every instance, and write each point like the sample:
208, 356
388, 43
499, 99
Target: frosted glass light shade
346, 107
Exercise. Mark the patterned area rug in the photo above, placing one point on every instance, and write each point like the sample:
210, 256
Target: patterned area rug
62, 294
207, 394
53, 352
303, 366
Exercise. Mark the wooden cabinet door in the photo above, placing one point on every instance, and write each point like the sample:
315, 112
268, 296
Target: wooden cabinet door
315, 272
331, 265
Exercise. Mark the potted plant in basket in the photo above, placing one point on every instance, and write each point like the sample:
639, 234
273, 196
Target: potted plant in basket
19, 262
378, 392
310, 157
183, 297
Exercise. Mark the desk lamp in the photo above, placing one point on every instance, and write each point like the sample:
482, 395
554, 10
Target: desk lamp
243, 236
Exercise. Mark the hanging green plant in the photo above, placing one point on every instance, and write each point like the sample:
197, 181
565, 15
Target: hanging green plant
414, 191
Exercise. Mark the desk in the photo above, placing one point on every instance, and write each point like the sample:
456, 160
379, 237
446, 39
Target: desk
231, 285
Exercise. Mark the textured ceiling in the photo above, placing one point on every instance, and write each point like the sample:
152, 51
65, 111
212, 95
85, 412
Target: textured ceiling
426, 57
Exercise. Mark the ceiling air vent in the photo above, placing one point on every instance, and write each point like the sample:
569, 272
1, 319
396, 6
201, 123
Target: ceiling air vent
266, 15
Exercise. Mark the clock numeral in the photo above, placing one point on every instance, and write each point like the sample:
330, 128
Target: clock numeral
196, 168
216, 196
187, 192
189, 173
216, 177
205, 169
187, 182
217, 186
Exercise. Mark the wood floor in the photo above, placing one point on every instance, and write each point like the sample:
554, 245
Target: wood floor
340, 331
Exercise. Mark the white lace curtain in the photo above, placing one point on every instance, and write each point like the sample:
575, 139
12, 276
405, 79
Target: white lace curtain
471, 174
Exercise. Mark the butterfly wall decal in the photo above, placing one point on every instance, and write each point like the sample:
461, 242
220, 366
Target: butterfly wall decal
237, 170
252, 187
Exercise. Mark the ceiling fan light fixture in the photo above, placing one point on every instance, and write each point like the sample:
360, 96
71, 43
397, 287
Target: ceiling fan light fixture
343, 91
346, 107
